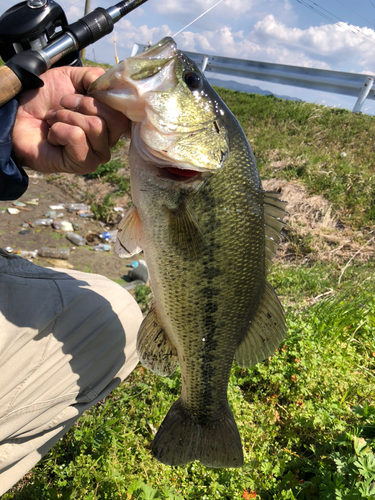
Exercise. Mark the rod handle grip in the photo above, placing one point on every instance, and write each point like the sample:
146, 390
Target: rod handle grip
10, 85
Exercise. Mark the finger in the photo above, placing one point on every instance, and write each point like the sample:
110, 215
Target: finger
117, 122
84, 78
78, 156
80, 78
94, 128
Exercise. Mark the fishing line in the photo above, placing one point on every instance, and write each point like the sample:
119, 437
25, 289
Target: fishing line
342, 24
354, 12
178, 32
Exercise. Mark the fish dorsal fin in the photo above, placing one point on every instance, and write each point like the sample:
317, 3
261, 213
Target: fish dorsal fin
274, 212
184, 230
266, 330
155, 350
129, 234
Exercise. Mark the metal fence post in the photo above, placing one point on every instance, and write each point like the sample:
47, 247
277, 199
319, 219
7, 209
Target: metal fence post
204, 63
363, 94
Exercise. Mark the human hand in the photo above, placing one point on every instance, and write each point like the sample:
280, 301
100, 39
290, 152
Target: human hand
59, 129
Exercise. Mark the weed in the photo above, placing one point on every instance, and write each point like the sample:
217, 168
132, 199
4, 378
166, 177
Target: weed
109, 173
103, 170
104, 210
143, 297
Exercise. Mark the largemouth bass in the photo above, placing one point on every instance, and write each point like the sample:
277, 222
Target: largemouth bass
198, 207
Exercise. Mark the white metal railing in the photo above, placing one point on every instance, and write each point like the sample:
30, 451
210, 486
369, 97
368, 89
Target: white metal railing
336, 82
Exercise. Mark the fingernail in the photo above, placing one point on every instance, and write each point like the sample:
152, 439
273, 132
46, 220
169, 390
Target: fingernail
71, 101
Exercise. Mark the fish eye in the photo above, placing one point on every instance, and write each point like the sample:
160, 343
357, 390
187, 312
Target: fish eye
192, 80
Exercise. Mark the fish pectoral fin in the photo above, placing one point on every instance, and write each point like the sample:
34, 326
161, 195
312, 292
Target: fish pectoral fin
181, 439
155, 350
274, 212
266, 331
129, 236
184, 230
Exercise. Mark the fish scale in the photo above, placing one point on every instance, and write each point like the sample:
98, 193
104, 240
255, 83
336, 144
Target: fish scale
208, 239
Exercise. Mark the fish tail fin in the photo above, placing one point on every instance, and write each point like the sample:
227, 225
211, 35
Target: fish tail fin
180, 440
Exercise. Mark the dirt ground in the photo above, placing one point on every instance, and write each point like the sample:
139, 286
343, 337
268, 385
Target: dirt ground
313, 231
16, 231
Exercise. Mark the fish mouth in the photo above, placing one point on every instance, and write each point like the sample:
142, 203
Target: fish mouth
148, 89
125, 86
180, 175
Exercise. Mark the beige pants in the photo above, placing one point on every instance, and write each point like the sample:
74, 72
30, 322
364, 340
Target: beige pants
67, 339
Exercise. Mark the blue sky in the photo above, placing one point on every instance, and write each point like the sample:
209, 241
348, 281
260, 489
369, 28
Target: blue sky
341, 37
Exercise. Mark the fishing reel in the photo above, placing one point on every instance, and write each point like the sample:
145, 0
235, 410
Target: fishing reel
35, 36
34, 24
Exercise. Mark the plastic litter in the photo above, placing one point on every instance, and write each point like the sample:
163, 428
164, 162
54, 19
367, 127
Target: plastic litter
51, 213
139, 271
9, 249
109, 236
42, 222
56, 225
34, 202
27, 254
57, 207
85, 213
102, 247
55, 253
75, 238
66, 226
118, 209
74, 207
343, 155
19, 204
13, 211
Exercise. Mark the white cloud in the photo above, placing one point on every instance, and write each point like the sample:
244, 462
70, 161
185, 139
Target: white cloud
126, 34
332, 43
224, 42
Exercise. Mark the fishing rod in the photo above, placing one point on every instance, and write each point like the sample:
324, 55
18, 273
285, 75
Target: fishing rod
35, 36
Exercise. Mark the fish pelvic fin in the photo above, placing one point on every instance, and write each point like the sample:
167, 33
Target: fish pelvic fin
274, 212
154, 349
266, 330
180, 440
129, 236
184, 230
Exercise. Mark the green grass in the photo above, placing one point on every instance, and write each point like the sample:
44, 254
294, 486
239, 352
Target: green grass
306, 416
109, 173
306, 142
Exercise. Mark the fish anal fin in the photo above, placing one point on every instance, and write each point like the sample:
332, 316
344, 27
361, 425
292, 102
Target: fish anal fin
266, 331
180, 440
129, 236
155, 350
184, 230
